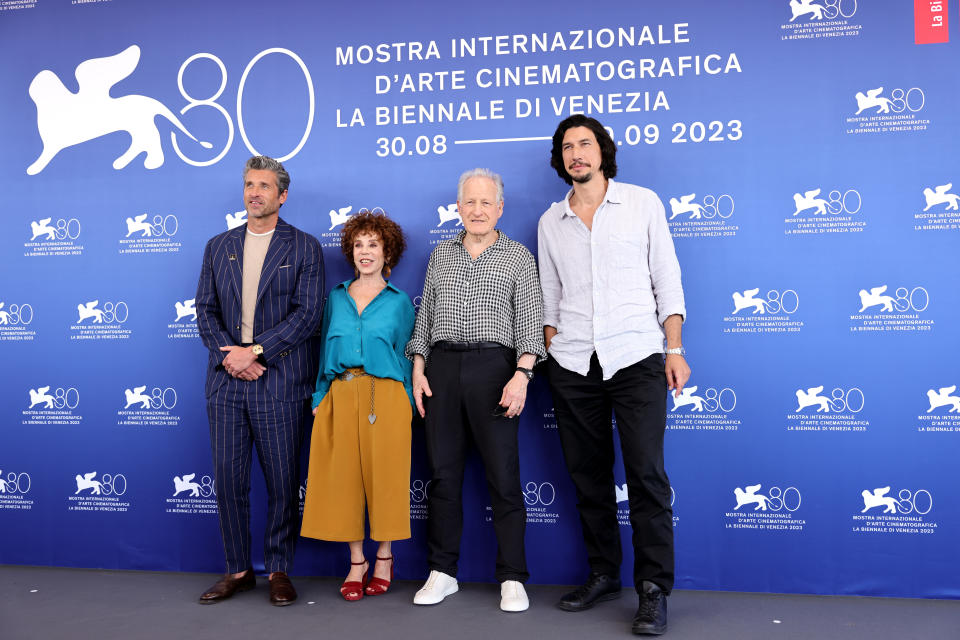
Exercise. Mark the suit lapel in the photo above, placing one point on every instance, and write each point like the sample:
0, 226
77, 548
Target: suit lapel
235, 259
276, 252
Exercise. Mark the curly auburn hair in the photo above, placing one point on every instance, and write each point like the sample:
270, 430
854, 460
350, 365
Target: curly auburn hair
608, 149
374, 224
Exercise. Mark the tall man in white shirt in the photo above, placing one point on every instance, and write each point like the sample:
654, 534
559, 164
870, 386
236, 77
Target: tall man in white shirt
611, 296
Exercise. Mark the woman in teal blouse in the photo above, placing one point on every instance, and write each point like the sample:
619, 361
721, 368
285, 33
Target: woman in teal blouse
360, 448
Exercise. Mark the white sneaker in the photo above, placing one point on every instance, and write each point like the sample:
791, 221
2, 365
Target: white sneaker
513, 597
437, 587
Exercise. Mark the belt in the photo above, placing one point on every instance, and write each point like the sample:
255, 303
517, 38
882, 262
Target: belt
358, 372
445, 345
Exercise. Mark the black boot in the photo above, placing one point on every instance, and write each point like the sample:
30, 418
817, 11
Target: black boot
651, 618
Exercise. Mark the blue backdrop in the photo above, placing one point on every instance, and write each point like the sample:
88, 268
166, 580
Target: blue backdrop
805, 154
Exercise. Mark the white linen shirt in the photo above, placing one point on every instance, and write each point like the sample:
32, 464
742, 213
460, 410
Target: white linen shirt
608, 289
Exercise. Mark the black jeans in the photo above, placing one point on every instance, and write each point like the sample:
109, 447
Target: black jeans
466, 388
637, 395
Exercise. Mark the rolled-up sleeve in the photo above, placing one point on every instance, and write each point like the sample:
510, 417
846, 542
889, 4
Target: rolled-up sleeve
549, 278
422, 328
664, 267
528, 310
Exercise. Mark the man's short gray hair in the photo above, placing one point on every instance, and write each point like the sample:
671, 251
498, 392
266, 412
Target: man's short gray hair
480, 173
265, 163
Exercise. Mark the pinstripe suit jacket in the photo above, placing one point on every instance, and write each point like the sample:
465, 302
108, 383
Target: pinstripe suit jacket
287, 314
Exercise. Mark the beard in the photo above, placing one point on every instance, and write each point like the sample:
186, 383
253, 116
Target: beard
583, 178
262, 212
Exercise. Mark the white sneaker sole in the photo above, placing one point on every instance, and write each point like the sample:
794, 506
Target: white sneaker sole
514, 607
430, 598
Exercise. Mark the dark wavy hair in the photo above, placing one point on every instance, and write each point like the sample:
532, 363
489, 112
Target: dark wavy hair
608, 150
375, 224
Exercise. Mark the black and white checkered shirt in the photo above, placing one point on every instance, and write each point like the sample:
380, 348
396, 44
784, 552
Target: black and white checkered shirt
495, 298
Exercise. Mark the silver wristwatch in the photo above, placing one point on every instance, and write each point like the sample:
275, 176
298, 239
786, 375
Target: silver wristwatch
676, 351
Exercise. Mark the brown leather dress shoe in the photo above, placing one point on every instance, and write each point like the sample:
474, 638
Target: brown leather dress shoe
282, 592
227, 586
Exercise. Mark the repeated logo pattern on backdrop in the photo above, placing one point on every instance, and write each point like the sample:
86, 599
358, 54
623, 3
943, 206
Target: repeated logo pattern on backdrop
803, 153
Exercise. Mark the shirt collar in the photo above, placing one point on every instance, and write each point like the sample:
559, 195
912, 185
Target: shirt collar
346, 285
612, 195
500, 243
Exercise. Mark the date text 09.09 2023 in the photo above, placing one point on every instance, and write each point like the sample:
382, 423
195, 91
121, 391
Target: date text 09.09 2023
634, 134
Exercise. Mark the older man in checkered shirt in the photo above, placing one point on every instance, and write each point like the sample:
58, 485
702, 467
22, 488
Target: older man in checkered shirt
477, 337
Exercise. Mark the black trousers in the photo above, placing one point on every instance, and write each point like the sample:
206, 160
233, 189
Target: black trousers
637, 395
466, 387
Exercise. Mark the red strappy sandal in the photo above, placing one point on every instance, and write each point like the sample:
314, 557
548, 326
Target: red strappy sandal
379, 586
353, 590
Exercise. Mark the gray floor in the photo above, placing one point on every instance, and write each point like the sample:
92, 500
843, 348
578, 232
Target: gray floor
77, 604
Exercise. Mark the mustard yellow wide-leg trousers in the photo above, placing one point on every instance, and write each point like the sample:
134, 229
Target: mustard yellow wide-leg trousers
355, 464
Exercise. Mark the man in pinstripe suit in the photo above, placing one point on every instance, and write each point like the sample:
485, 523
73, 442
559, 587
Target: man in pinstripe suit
258, 306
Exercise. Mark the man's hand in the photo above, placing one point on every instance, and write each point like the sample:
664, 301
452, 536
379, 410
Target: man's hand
548, 334
420, 385
514, 395
675, 366
421, 388
678, 372
252, 372
238, 359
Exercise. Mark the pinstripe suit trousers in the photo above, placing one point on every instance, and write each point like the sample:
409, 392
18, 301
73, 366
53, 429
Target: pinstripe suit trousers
243, 414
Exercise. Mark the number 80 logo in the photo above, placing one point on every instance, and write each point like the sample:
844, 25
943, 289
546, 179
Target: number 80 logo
212, 103
543, 494
18, 483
